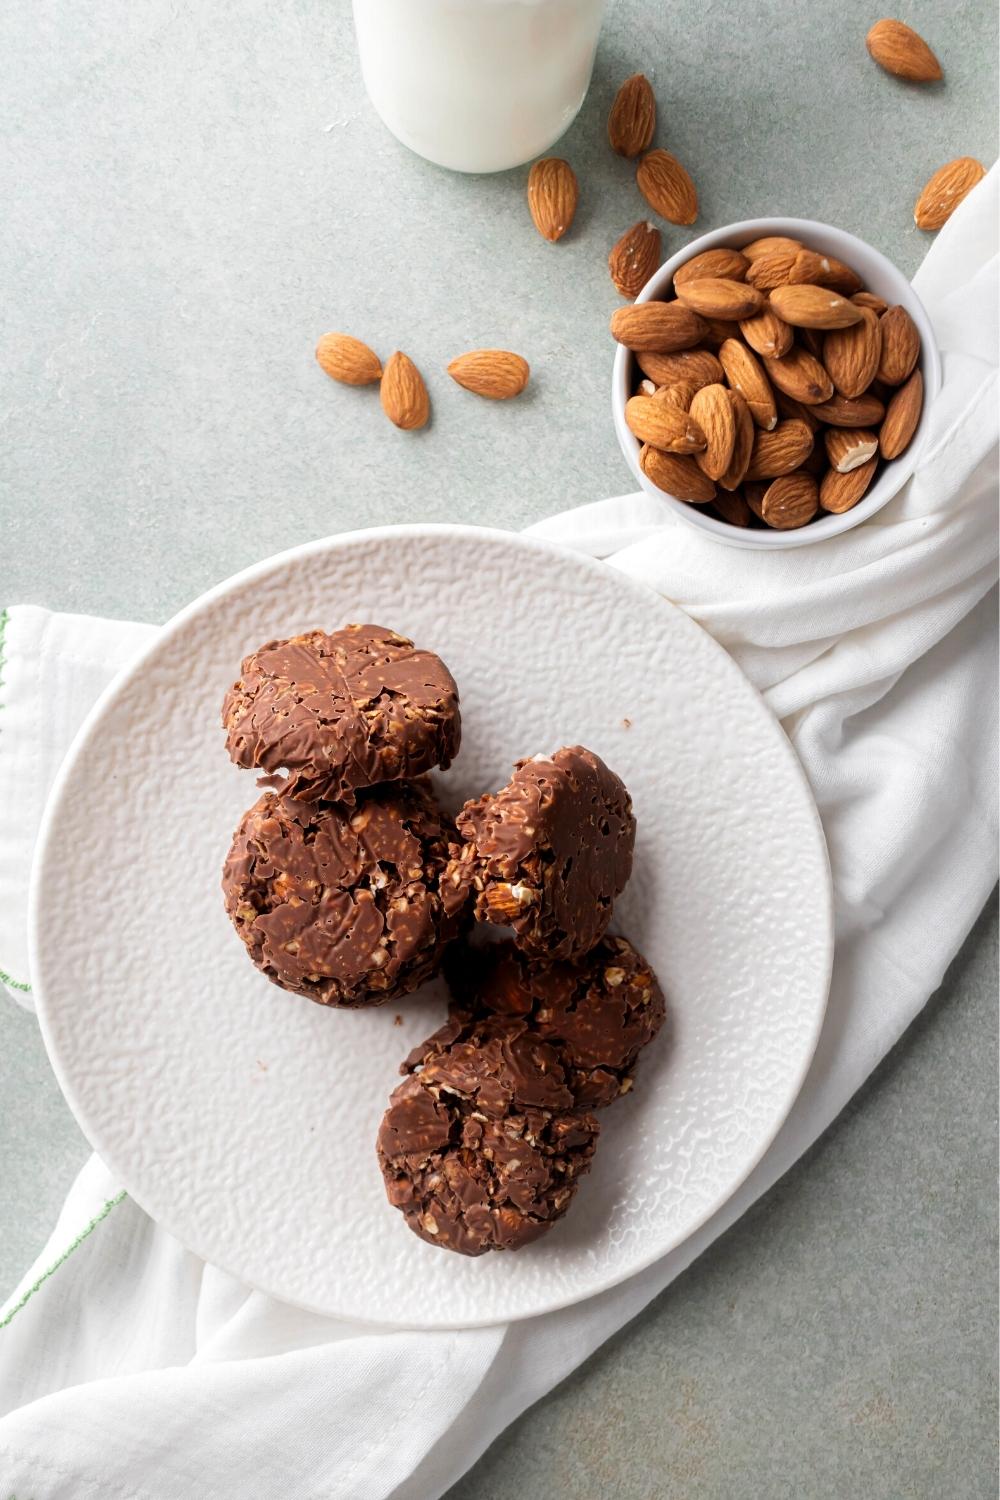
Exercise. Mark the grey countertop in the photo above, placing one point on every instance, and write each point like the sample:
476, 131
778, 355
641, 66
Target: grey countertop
192, 194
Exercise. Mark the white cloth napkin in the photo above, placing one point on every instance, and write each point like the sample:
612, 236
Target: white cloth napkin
129, 1368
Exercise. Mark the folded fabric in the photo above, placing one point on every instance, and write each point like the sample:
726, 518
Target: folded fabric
130, 1368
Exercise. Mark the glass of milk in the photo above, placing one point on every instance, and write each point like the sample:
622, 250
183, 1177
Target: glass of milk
477, 85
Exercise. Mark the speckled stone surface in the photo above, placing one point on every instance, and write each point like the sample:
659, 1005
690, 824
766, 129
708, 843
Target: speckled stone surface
191, 195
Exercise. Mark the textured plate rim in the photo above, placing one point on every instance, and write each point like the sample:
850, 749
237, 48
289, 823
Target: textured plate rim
343, 541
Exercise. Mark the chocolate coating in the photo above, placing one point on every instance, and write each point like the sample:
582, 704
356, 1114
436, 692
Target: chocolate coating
596, 1014
343, 711
548, 853
482, 1150
343, 903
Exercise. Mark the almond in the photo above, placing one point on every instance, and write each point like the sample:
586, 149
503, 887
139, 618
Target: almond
878, 305
713, 413
348, 360
840, 492
715, 297
633, 117
743, 445
553, 193
717, 330
733, 509
767, 334
769, 244
754, 494
667, 188
862, 411
900, 346
723, 261
635, 257
807, 306
796, 411
680, 477
494, 373
787, 268
945, 191
791, 501
900, 50
403, 393
681, 394
848, 448
699, 365
839, 276
902, 416
660, 327
800, 375
851, 355
663, 426
745, 375
780, 451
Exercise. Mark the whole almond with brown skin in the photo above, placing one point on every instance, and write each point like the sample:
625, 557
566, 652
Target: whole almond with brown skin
663, 426
795, 410
348, 360
678, 476
806, 306
768, 244
791, 501
403, 394
635, 257
900, 50
901, 417
861, 411
632, 120
800, 375
780, 451
723, 261
878, 305
851, 355
715, 297
659, 327
842, 278
900, 346
494, 373
786, 268
753, 494
848, 448
767, 334
697, 365
745, 375
743, 444
733, 508
840, 492
713, 412
945, 191
553, 193
667, 187
680, 394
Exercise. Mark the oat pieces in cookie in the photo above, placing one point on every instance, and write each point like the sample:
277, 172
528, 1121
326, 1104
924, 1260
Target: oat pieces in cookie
342, 711
548, 853
597, 1013
342, 903
482, 1150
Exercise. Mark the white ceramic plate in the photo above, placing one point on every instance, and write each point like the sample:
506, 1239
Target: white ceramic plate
244, 1118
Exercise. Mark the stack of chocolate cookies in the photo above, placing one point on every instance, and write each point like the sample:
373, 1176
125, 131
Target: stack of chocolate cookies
348, 883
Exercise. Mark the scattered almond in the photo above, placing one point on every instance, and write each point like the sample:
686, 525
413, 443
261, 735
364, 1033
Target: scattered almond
848, 448
633, 117
840, 492
635, 257
713, 413
791, 501
767, 334
743, 444
745, 375
900, 50
663, 426
697, 365
403, 394
800, 375
806, 306
901, 417
494, 373
716, 297
553, 193
730, 264
348, 360
780, 451
659, 327
945, 191
677, 476
667, 187
900, 346
851, 355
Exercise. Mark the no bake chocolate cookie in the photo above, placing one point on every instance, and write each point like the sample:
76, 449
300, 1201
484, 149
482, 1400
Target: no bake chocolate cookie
342, 711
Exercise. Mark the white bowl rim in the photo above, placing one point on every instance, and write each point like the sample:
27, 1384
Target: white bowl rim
847, 247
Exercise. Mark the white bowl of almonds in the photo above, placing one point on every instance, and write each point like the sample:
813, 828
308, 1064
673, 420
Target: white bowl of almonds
772, 380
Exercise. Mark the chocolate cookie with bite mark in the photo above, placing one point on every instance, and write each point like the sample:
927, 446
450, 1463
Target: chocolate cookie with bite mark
342, 711
483, 1149
548, 853
343, 903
